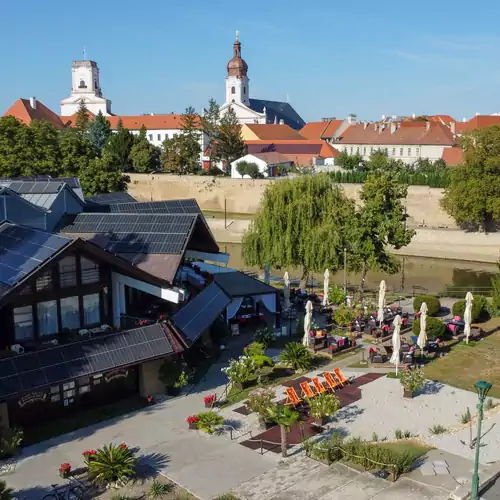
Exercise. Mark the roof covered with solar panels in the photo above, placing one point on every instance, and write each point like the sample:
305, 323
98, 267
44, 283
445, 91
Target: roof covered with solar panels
41, 185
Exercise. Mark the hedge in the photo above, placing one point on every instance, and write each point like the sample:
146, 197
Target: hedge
433, 304
434, 328
412, 179
479, 311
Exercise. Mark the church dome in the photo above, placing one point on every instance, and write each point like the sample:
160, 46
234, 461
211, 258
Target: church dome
237, 66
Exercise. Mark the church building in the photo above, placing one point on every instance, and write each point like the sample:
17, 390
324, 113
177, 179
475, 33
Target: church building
248, 110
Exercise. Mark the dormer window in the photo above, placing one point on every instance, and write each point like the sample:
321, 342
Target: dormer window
82, 85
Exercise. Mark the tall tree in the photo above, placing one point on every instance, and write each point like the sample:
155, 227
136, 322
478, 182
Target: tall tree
100, 176
45, 154
76, 151
82, 117
143, 155
473, 196
229, 145
210, 119
191, 135
301, 222
99, 132
177, 156
118, 148
16, 147
350, 162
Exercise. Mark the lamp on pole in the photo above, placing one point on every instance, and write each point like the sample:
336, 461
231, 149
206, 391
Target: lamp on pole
482, 388
345, 271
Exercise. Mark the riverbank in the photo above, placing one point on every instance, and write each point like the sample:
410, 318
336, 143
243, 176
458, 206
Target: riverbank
432, 243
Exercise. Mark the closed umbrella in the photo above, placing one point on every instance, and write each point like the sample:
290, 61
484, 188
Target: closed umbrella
326, 287
396, 342
468, 315
267, 274
307, 323
286, 290
422, 336
381, 302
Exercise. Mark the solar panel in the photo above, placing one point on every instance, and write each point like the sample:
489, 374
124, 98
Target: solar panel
34, 187
57, 364
23, 249
117, 197
157, 207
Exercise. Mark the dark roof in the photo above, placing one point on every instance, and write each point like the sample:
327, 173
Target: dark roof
27, 184
237, 284
199, 313
23, 249
32, 371
161, 265
189, 206
107, 198
280, 111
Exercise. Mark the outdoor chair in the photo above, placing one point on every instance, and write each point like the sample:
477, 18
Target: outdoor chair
407, 358
405, 348
307, 391
292, 398
340, 376
388, 350
320, 388
331, 381
414, 339
375, 356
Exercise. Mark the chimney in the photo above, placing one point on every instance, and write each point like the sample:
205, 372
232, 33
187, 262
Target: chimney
477, 114
453, 128
33, 102
427, 125
365, 125
394, 127
383, 117
375, 126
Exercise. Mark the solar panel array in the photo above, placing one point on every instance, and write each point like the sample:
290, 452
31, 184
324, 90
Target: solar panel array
39, 369
118, 197
157, 207
141, 233
23, 249
198, 314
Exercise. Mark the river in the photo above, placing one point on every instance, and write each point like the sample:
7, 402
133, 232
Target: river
417, 275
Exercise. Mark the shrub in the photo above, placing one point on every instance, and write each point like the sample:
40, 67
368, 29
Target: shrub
323, 405
466, 417
259, 401
209, 420
479, 309
412, 379
265, 336
296, 356
10, 440
112, 464
437, 429
240, 370
336, 295
344, 315
159, 490
5, 493
433, 304
434, 327
489, 405
399, 434
170, 372
256, 351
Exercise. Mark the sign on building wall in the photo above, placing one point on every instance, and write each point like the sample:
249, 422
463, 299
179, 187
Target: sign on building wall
32, 397
108, 377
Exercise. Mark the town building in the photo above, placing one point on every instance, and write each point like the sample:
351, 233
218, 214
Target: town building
270, 164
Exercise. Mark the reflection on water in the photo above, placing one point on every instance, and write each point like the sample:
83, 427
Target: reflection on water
417, 274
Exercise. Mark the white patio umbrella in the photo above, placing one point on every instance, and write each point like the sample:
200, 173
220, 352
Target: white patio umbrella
307, 323
422, 336
468, 315
286, 290
381, 302
326, 287
396, 342
267, 274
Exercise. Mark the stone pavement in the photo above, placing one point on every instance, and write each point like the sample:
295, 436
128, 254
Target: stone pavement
305, 479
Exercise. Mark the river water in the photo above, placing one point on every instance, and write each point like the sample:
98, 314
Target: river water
417, 275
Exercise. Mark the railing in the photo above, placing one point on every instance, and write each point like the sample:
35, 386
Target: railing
262, 441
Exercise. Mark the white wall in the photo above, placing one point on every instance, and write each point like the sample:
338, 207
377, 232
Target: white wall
249, 158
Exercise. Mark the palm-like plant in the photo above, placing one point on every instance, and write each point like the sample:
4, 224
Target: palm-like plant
296, 356
5, 493
112, 464
284, 416
209, 420
159, 490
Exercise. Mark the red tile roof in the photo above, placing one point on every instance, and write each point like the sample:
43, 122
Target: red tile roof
306, 147
272, 157
23, 111
151, 122
331, 129
274, 132
479, 121
445, 119
411, 132
453, 156
313, 130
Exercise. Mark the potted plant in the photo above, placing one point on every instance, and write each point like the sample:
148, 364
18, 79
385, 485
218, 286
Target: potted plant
172, 376
296, 356
259, 401
65, 470
192, 421
113, 465
322, 406
88, 455
208, 421
209, 401
151, 400
412, 380
241, 371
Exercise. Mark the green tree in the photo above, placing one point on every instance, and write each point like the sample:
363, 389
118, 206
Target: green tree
350, 162
118, 148
16, 147
191, 135
76, 152
99, 132
284, 416
82, 117
228, 142
210, 119
143, 155
100, 176
249, 168
177, 155
301, 222
473, 196
45, 150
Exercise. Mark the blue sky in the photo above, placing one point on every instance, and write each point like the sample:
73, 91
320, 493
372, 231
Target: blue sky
331, 57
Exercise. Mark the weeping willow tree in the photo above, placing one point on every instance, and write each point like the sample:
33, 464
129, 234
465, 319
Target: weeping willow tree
302, 223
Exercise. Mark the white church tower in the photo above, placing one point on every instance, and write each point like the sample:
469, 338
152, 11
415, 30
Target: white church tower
237, 89
85, 87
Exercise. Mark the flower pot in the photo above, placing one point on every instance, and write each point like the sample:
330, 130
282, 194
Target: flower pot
193, 426
209, 404
64, 473
266, 424
407, 394
243, 385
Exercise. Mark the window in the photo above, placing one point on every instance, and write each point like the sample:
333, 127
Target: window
44, 281
67, 272
233, 90
351, 149
47, 318
417, 152
357, 150
371, 150
54, 389
68, 385
150, 137
84, 389
393, 151
90, 271
70, 313
244, 90
364, 151
82, 85
401, 152
91, 313
23, 322
409, 151
54, 398
159, 137
386, 151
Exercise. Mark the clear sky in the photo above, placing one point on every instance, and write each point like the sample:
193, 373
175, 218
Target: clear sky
331, 57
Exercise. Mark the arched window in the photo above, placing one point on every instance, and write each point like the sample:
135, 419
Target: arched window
232, 100
233, 90
244, 90
82, 85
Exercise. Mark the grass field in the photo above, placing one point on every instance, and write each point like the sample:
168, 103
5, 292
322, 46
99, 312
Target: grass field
465, 365
414, 448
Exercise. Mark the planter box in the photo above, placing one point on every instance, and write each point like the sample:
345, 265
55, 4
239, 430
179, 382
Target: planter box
193, 426
267, 425
408, 394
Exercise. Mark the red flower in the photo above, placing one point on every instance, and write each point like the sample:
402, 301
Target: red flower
150, 399
87, 453
123, 446
209, 399
66, 467
192, 419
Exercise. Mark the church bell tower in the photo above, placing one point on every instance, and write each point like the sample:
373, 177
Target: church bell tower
237, 88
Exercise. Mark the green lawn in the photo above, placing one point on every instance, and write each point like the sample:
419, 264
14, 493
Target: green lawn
414, 448
465, 365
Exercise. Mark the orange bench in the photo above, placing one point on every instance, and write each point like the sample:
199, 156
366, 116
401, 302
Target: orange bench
292, 398
340, 376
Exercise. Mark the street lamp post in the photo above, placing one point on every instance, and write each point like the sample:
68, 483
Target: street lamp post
482, 388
